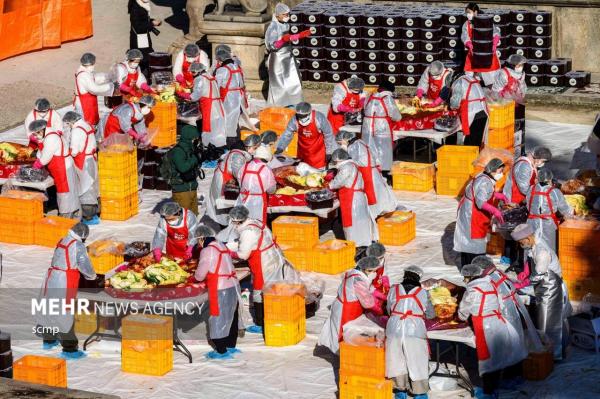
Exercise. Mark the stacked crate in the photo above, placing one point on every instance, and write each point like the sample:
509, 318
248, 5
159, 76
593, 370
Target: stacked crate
579, 255
277, 119
48, 231
118, 181
495, 245
398, 228
411, 176
285, 314
27, 212
147, 344
454, 168
362, 372
501, 133
163, 118
41, 370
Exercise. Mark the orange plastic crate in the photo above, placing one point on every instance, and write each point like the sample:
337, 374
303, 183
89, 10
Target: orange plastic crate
284, 302
147, 344
163, 117
412, 176
456, 159
366, 361
501, 138
495, 245
41, 370
275, 118
501, 114
285, 333
398, 229
105, 262
299, 231
23, 210
359, 387
17, 233
334, 261
452, 184
577, 236
292, 148
120, 209
580, 287
538, 366
51, 229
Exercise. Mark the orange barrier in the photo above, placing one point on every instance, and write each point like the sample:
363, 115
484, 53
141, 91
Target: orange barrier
28, 25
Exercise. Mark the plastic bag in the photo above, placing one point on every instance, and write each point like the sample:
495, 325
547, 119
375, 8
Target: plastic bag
487, 154
363, 332
10, 191
314, 286
284, 289
117, 143
137, 249
29, 174
332, 245
419, 170
109, 246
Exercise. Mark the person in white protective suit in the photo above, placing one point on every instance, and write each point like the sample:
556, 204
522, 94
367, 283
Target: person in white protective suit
265, 258
69, 262
552, 306
380, 196
510, 81
88, 87
353, 298
468, 98
232, 88
380, 113
130, 78
257, 181
435, 83
54, 154
475, 212
206, 92
523, 173
268, 140
357, 219
228, 169
216, 268
493, 335
544, 201
83, 151
285, 87
42, 110
406, 348
174, 233
348, 98
128, 118
184, 60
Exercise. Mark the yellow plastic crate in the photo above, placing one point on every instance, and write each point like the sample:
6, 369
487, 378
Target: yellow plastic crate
452, 184
300, 231
580, 287
367, 361
359, 387
147, 344
292, 148
285, 333
105, 262
412, 176
23, 210
120, 209
118, 187
334, 261
41, 370
17, 233
85, 324
501, 114
397, 229
116, 164
303, 259
48, 231
456, 159
284, 302
502, 138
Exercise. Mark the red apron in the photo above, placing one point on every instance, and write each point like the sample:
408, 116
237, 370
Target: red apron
311, 145
187, 75
378, 281
513, 292
463, 109
516, 196
435, 86
409, 313
223, 91
480, 221
32, 144
227, 177
346, 197
483, 352
550, 215
245, 193
72, 274
336, 119
386, 116
367, 175
351, 310
131, 82
80, 158
206, 104
512, 84
177, 238
89, 104
212, 281
255, 260
495, 63
112, 123
58, 168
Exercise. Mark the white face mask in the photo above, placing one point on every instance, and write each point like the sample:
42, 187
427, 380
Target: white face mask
519, 69
436, 77
190, 59
498, 176
41, 114
304, 121
540, 165
172, 222
145, 110
285, 20
90, 68
134, 65
470, 16
371, 276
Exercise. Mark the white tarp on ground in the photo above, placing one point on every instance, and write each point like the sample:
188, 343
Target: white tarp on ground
291, 372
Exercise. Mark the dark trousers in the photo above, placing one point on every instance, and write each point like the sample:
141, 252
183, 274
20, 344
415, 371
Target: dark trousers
477, 128
466, 258
514, 371
230, 341
259, 313
68, 340
491, 381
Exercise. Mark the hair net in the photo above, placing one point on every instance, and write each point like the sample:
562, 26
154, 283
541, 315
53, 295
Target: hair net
148, 101
376, 249
42, 105
37, 125
414, 269
436, 68
472, 7
368, 263
134, 54
197, 67
545, 175
222, 53
281, 8
493, 165
542, 153
252, 141
471, 270
71, 117
88, 59
81, 230
386, 85
355, 83
482, 261
203, 231
344, 135
340, 155
268, 137
516, 59
303, 108
192, 50
264, 152
521, 232
170, 209
239, 213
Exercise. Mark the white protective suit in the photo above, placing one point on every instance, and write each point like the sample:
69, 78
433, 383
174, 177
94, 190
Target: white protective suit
426, 80
230, 79
56, 150
285, 86
481, 303
406, 348
55, 282
482, 186
126, 114
476, 98
202, 58
122, 69
386, 199
524, 173
231, 164
160, 234
215, 259
83, 149
352, 297
516, 90
256, 182
380, 113
91, 83
206, 89
361, 228
543, 202
52, 117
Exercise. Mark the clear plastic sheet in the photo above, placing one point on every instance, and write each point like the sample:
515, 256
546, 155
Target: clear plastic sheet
364, 332
10, 191
117, 143
108, 246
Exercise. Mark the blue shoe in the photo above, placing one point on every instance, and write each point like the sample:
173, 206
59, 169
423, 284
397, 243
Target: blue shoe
91, 222
218, 356
480, 395
400, 395
209, 164
505, 260
422, 396
50, 345
255, 329
233, 350
73, 355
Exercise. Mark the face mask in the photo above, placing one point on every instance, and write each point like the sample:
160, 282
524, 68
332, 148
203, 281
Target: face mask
304, 121
525, 246
145, 111
371, 276
436, 77
541, 165
134, 65
498, 176
90, 68
190, 59
344, 146
519, 69
285, 19
470, 16
173, 222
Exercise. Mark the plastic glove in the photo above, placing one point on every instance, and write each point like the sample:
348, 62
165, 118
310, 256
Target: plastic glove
188, 251
345, 108
147, 88
469, 45
495, 42
437, 102
501, 197
157, 252
278, 44
33, 139
522, 284
419, 94
234, 255
385, 281
329, 176
38, 164
124, 88
379, 296
184, 95
495, 212
180, 79
377, 309
133, 134
525, 273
